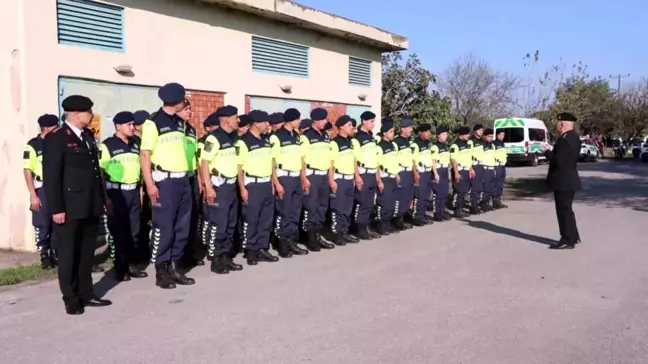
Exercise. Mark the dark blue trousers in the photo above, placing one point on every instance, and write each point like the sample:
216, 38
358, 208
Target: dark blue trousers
257, 216
341, 206
288, 208
404, 193
489, 183
422, 194
364, 199
124, 226
460, 188
171, 220
477, 186
387, 199
42, 222
500, 178
222, 220
316, 203
441, 191
204, 223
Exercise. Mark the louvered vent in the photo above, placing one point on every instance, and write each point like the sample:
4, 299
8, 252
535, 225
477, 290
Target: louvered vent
359, 71
275, 56
90, 24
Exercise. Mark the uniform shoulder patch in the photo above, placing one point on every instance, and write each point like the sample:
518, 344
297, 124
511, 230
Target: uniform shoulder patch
26, 154
208, 146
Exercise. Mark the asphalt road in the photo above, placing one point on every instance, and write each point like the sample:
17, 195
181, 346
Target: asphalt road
482, 290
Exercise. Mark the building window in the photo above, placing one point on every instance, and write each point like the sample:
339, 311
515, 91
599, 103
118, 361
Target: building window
90, 24
275, 56
359, 71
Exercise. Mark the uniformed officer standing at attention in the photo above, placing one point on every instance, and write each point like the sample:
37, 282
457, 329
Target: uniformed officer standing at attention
76, 200
142, 249
255, 185
166, 174
331, 130
343, 177
388, 179
488, 161
366, 152
244, 124
461, 156
423, 163
276, 121
219, 168
287, 164
304, 125
477, 174
119, 161
316, 152
408, 176
33, 173
501, 157
441, 184
209, 124
140, 117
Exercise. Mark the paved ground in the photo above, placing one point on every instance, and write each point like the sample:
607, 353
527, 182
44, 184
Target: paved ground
483, 290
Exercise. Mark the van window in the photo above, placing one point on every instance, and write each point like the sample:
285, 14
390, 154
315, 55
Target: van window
537, 135
513, 135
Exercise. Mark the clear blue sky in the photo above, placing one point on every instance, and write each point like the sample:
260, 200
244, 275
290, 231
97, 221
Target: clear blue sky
610, 36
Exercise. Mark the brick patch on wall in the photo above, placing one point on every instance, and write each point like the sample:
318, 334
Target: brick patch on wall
203, 103
248, 101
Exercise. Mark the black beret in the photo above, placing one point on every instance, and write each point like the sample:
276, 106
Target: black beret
477, 127
354, 122
488, 131
211, 120
387, 119
424, 127
387, 124
328, 126
463, 130
441, 129
172, 93
227, 110
407, 121
291, 114
305, 123
367, 115
565, 116
244, 120
48, 120
77, 103
123, 117
140, 116
343, 120
276, 118
257, 116
319, 114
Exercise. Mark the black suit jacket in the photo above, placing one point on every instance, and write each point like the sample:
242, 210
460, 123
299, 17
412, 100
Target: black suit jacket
71, 169
563, 163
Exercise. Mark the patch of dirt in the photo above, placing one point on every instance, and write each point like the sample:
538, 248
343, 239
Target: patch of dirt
10, 258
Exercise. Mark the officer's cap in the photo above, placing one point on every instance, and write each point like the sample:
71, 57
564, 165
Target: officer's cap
305, 124
244, 120
328, 126
463, 130
367, 115
478, 127
354, 122
227, 110
276, 118
319, 114
172, 93
565, 116
77, 103
140, 116
488, 132
387, 124
123, 117
258, 116
291, 114
386, 119
424, 127
211, 120
343, 120
441, 129
407, 121
48, 120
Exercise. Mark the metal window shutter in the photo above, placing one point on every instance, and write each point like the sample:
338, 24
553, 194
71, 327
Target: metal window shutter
359, 71
270, 55
92, 24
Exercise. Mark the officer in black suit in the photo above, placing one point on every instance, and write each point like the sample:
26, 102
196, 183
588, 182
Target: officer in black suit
563, 178
76, 197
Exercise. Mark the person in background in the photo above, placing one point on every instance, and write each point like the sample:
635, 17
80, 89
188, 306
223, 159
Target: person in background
276, 121
140, 117
423, 163
142, 252
489, 163
331, 130
440, 169
387, 183
461, 157
244, 124
408, 176
304, 125
33, 173
501, 156
477, 171
209, 124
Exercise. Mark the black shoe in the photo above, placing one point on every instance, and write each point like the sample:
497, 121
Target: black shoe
162, 277
350, 239
199, 263
447, 216
459, 213
363, 233
429, 219
338, 239
295, 249
374, 234
418, 222
46, 261
324, 244
53, 257
264, 256
233, 267
74, 308
312, 243
251, 257
475, 211
121, 275
383, 228
438, 218
283, 248
486, 207
136, 273
97, 269
563, 245
95, 302
397, 224
219, 265
179, 278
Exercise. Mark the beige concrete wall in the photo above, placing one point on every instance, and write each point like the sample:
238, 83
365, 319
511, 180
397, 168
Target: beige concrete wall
198, 45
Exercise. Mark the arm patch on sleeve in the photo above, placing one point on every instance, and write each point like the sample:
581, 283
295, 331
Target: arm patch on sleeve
26, 154
208, 146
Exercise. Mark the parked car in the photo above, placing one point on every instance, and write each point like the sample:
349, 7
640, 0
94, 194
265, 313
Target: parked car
644, 152
589, 152
524, 139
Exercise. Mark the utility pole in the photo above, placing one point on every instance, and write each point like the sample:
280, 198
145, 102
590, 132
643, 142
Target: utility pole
619, 77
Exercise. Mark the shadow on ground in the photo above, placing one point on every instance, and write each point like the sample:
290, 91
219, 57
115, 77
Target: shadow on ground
611, 184
508, 231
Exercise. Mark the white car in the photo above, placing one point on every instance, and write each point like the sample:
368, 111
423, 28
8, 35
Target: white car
589, 152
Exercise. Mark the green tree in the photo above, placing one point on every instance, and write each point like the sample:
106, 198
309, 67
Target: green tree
630, 112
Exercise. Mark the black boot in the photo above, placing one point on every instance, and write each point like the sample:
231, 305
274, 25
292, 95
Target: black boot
46, 262
312, 243
429, 220
294, 248
251, 257
447, 216
178, 277
324, 244
418, 222
162, 277
283, 248
398, 224
374, 234
383, 228
219, 264
53, 257
439, 218
338, 239
350, 239
264, 256
229, 263
458, 213
497, 203
135, 272
363, 233
121, 272
485, 206
474, 210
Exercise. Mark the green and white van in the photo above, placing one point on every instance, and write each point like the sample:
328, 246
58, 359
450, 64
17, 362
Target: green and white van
524, 139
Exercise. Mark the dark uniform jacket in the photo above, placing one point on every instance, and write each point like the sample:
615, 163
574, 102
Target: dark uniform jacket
71, 170
563, 162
